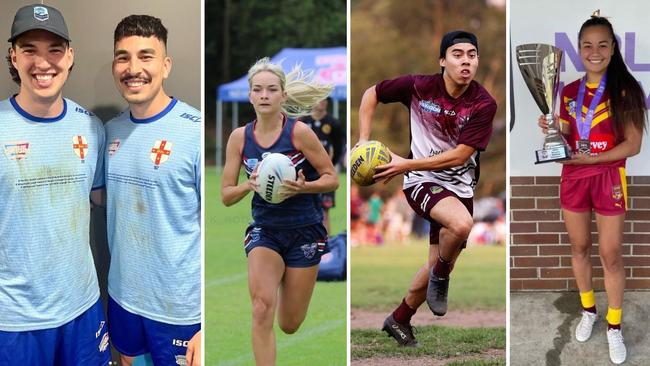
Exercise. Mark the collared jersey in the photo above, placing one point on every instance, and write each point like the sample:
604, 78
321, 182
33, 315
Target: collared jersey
153, 172
439, 123
297, 211
48, 167
602, 135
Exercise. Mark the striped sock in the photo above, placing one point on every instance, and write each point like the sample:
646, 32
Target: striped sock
614, 318
588, 301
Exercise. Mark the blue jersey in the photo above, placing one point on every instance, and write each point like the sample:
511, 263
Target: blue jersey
47, 170
153, 174
297, 211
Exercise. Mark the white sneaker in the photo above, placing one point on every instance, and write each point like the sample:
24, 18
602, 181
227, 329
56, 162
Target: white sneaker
617, 351
583, 330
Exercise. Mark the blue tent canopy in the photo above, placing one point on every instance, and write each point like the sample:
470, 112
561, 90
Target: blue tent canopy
329, 66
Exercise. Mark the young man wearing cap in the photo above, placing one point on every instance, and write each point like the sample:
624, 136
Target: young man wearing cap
51, 313
450, 123
153, 175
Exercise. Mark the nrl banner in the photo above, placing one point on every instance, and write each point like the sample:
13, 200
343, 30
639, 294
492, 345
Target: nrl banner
558, 26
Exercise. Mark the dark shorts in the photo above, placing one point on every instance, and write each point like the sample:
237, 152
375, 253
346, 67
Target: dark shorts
604, 193
80, 342
300, 247
133, 335
422, 197
328, 200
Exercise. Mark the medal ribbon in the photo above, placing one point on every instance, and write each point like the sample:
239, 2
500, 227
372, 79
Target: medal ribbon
584, 125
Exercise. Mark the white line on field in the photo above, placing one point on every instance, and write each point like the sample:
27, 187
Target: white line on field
227, 280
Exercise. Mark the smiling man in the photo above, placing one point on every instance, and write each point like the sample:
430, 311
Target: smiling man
52, 160
450, 122
153, 176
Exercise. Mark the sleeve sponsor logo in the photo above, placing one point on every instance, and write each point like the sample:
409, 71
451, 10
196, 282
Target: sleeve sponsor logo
191, 117
83, 111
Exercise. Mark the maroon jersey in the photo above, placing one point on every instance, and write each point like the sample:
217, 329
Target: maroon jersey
439, 123
602, 136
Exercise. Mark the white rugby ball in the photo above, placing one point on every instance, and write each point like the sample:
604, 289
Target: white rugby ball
271, 171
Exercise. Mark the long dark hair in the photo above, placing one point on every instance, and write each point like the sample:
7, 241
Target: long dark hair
627, 100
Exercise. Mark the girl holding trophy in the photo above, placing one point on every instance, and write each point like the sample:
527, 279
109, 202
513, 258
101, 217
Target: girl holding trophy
602, 117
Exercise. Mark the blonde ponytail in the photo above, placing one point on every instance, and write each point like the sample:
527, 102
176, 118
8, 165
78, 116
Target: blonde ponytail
303, 92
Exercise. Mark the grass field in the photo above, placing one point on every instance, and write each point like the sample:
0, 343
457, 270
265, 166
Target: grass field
380, 277
321, 339
438, 342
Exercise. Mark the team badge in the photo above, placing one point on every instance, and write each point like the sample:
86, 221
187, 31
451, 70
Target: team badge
181, 360
309, 250
113, 146
41, 14
103, 345
160, 152
436, 189
16, 150
252, 236
326, 129
80, 147
617, 192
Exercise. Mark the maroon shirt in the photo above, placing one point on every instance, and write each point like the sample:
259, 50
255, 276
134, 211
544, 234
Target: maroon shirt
439, 123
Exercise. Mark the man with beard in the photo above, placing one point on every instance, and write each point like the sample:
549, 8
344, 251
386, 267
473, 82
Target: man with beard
153, 174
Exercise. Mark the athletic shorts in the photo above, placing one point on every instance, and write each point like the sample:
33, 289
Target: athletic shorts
133, 335
328, 200
299, 247
80, 342
605, 193
423, 196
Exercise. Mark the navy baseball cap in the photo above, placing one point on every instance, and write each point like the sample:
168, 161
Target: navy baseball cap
38, 16
456, 37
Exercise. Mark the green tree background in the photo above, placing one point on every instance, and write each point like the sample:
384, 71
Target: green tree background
237, 33
392, 38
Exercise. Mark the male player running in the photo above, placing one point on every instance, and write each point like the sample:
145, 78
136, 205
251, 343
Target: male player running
50, 312
153, 175
450, 123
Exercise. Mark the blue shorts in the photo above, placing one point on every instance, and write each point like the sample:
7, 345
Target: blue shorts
134, 335
300, 247
80, 342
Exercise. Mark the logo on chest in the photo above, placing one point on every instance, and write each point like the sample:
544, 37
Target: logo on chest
430, 107
160, 152
113, 146
16, 150
80, 147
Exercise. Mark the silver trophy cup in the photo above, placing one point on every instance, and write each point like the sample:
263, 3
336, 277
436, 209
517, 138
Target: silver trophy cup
540, 67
